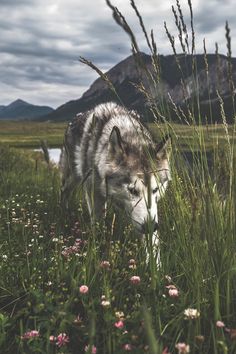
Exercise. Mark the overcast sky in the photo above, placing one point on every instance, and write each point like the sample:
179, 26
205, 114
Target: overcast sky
41, 41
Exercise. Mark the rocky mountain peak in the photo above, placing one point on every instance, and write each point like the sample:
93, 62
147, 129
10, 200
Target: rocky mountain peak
182, 79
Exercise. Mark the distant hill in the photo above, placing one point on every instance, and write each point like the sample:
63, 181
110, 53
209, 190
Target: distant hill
198, 91
21, 110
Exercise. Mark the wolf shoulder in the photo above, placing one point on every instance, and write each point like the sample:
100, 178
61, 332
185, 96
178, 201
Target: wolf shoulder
101, 120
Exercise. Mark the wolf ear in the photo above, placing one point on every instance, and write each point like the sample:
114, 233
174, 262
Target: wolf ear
115, 142
163, 149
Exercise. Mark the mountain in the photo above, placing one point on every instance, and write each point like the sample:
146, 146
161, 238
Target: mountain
20, 110
177, 84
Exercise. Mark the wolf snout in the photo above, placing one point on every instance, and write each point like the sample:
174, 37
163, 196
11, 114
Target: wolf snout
149, 226
155, 227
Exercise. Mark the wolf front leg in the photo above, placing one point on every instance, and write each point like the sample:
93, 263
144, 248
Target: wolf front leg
156, 248
153, 248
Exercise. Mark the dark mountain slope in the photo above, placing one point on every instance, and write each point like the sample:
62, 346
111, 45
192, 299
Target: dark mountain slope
19, 110
186, 90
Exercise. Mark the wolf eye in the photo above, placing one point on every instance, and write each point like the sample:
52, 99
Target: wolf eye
155, 190
133, 191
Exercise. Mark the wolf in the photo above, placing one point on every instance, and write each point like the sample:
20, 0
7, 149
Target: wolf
110, 153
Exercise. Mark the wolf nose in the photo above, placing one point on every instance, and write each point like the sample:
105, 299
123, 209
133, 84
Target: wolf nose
147, 227
155, 226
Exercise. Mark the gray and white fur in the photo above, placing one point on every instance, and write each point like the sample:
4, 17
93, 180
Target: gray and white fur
113, 155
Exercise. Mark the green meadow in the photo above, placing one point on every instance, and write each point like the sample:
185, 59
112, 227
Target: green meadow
28, 134
69, 287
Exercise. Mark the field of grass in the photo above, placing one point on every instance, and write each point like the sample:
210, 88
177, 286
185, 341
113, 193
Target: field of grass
30, 134
66, 286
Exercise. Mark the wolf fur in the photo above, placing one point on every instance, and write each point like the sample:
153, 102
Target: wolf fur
113, 155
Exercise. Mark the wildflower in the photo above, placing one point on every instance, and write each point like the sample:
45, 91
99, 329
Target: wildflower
174, 292
135, 279
182, 348
105, 265
120, 315
191, 314
30, 334
132, 264
93, 351
132, 261
76, 248
165, 351
83, 289
52, 339
127, 347
106, 303
119, 324
62, 339
220, 324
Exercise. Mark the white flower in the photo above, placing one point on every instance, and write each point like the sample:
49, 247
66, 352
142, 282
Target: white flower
182, 348
106, 303
191, 314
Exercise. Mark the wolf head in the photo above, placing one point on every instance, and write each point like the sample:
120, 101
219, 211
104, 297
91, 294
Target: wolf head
137, 177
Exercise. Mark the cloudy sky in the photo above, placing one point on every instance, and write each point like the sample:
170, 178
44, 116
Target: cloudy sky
41, 41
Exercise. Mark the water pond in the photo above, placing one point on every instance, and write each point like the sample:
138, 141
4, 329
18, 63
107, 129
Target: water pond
53, 153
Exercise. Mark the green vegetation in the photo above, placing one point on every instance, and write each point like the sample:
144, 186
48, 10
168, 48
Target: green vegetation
46, 256
69, 287
29, 134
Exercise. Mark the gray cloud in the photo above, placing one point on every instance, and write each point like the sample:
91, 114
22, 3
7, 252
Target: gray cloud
9, 3
41, 41
213, 15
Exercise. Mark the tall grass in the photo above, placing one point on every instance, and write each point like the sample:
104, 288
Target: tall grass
46, 256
